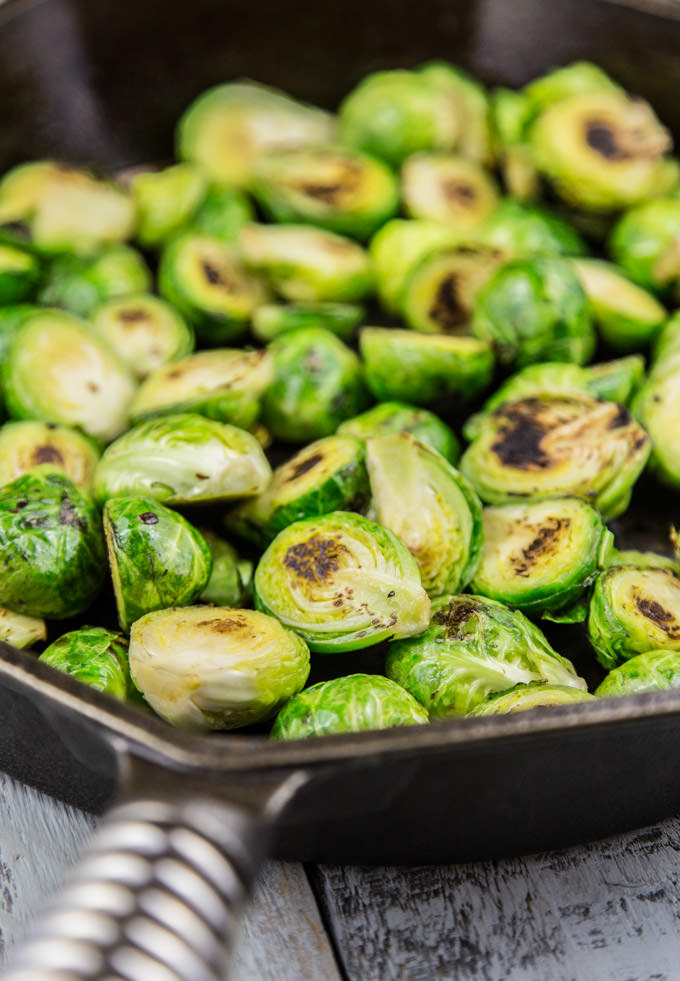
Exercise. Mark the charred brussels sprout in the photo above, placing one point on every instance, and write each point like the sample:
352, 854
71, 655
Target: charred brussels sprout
645, 242
182, 459
24, 445
627, 316
157, 558
328, 475
19, 630
80, 284
421, 368
616, 381
144, 331
522, 230
166, 201
341, 190
342, 582
58, 370
542, 555
230, 582
273, 319
651, 671
470, 103
522, 698
97, 657
223, 213
535, 310
398, 417
19, 274
202, 277
228, 127
355, 703
431, 508
51, 546
558, 445
448, 188
474, 647
634, 609
317, 385
223, 384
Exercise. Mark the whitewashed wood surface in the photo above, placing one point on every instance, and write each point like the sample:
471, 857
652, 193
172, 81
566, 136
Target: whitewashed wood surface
608, 911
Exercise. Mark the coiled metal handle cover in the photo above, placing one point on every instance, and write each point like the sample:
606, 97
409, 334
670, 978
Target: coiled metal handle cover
156, 897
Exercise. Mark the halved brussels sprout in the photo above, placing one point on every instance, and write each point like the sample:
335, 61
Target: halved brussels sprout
431, 508
398, 417
616, 381
627, 316
81, 283
634, 609
474, 647
51, 546
182, 459
223, 213
58, 370
578, 78
645, 242
24, 445
469, 102
541, 555
157, 558
448, 188
440, 292
354, 703
230, 582
522, 230
229, 126
334, 188
511, 116
602, 151
554, 446
274, 319
215, 667
657, 407
535, 310
97, 657
342, 582
203, 278
307, 265
144, 331
222, 384
392, 114
19, 274
317, 384
328, 475
19, 630
522, 698
651, 671
166, 201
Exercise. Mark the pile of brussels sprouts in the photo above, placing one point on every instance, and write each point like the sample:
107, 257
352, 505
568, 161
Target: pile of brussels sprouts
262, 459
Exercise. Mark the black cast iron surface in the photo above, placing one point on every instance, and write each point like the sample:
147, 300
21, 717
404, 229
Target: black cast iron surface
103, 82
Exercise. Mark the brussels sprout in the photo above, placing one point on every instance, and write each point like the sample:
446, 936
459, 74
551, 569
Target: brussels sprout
222, 384
202, 277
554, 446
230, 582
157, 558
522, 698
328, 475
616, 381
342, 582
665, 350
354, 703
273, 319
398, 417
398, 247
448, 188
440, 292
535, 310
511, 115
19, 274
392, 114
11, 319
21, 187
656, 406
645, 242
470, 103
19, 630
523, 230
308, 265
228, 127
634, 609
144, 331
643, 560
602, 151
58, 370
81, 284
341, 190
541, 555
651, 671
627, 317
51, 546
474, 647
97, 657
166, 200
431, 508
420, 368
223, 213
578, 78
317, 385
24, 445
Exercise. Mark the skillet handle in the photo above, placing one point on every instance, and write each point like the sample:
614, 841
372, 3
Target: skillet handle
156, 897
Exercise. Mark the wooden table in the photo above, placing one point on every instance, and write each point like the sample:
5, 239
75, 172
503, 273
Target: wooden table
608, 911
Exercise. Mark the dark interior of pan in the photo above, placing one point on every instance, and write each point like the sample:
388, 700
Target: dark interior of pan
103, 81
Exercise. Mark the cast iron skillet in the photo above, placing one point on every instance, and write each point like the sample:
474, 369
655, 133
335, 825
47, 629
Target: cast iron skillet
103, 81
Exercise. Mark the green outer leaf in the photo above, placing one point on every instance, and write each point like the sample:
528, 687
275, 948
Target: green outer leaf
616, 381
651, 671
522, 230
399, 417
223, 213
273, 319
166, 200
521, 698
98, 658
